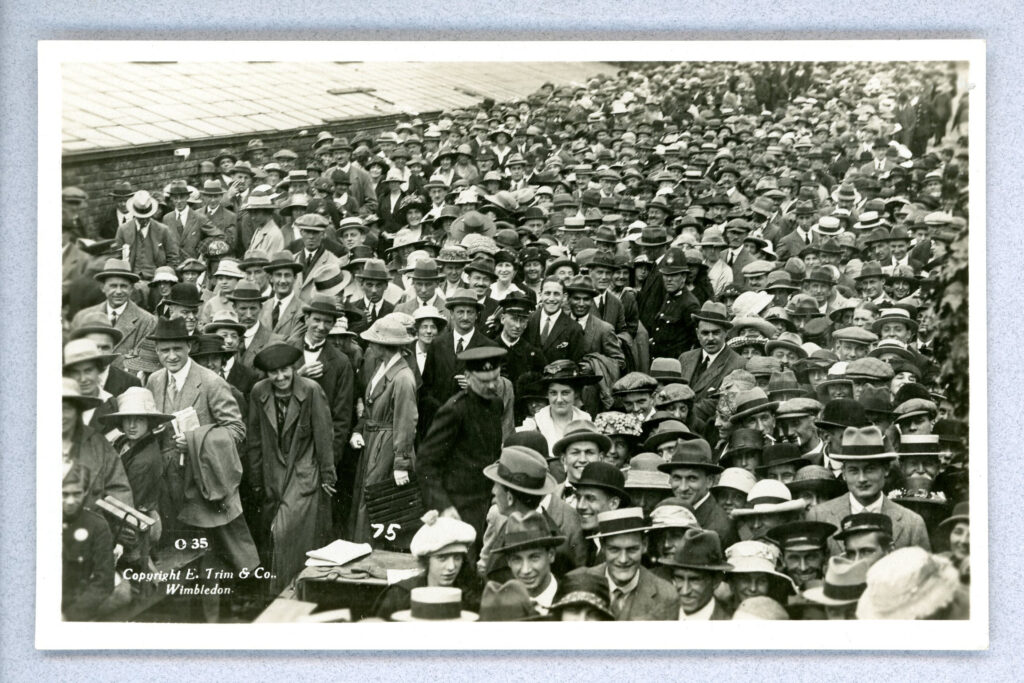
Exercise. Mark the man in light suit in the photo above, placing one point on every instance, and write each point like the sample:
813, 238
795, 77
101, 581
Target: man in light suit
150, 244
248, 302
637, 594
425, 278
133, 323
866, 462
312, 255
282, 312
189, 225
705, 367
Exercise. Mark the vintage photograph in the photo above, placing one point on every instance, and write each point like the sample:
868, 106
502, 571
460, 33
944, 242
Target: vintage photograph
387, 337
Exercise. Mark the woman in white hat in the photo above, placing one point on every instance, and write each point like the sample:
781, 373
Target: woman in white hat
440, 547
387, 430
430, 322
754, 572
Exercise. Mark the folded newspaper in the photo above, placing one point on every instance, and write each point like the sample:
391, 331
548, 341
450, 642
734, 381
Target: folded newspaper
337, 553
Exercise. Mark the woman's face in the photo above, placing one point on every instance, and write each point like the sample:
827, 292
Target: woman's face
443, 568
960, 541
426, 331
561, 398
505, 271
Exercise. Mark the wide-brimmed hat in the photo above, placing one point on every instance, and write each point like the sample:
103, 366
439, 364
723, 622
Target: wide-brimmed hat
521, 469
435, 603
137, 402
756, 557
209, 345
568, 373
374, 269
229, 268
653, 236
668, 430
276, 356
72, 392
322, 303
691, 453
861, 444
845, 581
387, 331
714, 312
894, 315
752, 402
245, 291
95, 322
114, 267
259, 202
643, 473
787, 340
735, 478
908, 583
170, 330
142, 205
700, 550
581, 430
527, 530
424, 269
961, 513
765, 328
768, 497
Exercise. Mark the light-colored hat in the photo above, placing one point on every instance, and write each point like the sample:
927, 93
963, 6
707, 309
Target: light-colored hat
388, 332
844, 582
435, 603
643, 473
751, 557
767, 497
164, 274
429, 313
142, 205
72, 392
441, 534
224, 319
672, 513
862, 443
229, 268
735, 478
908, 583
760, 608
798, 407
522, 469
83, 350
137, 402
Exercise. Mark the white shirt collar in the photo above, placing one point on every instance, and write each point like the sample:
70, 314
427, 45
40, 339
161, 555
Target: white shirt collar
119, 310
627, 589
583, 321
466, 338
547, 596
508, 342
857, 508
703, 614
251, 332
545, 316
711, 358
287, 300
181, 375
702, 500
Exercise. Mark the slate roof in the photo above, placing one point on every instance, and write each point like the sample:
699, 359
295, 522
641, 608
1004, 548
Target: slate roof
112, 105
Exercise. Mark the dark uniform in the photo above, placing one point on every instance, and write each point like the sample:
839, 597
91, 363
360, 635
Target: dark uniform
464, 438
674, 332
88, 575
522, 358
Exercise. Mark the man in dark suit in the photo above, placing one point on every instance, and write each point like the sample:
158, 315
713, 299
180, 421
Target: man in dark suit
189, 225
866, 461
96, 327
219, 216
522, 356
654, 241
151, 244
360, 183
705, 367
673, 331
880, 162
692, 473
328, 366
226, 325
311, 253
550, 329
118, 213
131, 321
737, 255
443, 372
373, 280
609, 307
796, 241
637, 594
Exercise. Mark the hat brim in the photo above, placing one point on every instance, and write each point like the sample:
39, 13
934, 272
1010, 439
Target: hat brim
491, 472
539, 542
839, 457
722, 322
103, 359
104, 274
770, 508
604, 444
769, 407
211, 328
583, 599
406, 615
367, 335
153, 417
655, 440
113, 332
927, 598
817, 595
84, 402
723, 567
667, 467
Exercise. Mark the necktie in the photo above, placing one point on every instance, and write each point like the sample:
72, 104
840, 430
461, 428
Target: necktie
702, 366
241, 346
547, 329
177, 215
730, 258
113, 318
371, 313
618, 599
275, 315
172, 391
460, 346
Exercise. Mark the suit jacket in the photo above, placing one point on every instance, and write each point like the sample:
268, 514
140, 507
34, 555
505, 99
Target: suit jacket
191, 233
411, 304
726, 361
441, 365
654, 599
242, 377
291, 324
613, 312
742, 260
260, 340
338, 382
118, 381
650, 298
791, 245
321, 259
908, 527
599, 337
522, 357
163, 240
135, 323
712, 517
224, 220
207, 392
364, 324
109, 223
564, 341
869, 168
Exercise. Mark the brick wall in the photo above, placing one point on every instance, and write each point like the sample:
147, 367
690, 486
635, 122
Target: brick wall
151, 167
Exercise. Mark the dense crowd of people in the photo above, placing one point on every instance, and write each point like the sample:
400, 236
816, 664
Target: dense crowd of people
660, 346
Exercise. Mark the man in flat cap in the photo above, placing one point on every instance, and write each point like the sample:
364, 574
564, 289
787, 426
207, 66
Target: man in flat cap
795, 421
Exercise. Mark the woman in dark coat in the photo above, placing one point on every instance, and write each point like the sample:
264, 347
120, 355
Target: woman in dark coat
290, 463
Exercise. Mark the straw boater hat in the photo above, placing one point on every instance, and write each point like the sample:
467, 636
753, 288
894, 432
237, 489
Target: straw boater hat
845, 581
768, 497
137, 402
435, 603
909, 583
622, 521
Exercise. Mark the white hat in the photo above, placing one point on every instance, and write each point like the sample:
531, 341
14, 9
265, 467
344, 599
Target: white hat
909, 583
750, 557
668, 516
441, 533
229, 267
769, 496
736, 478
434, 603
760, 608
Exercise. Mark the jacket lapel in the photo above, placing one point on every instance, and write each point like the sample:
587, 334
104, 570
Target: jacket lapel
267, 401
300, 392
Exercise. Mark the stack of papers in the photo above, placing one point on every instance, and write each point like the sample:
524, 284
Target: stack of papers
337, 553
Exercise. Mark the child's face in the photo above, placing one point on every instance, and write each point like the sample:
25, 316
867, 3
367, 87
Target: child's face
135, 427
